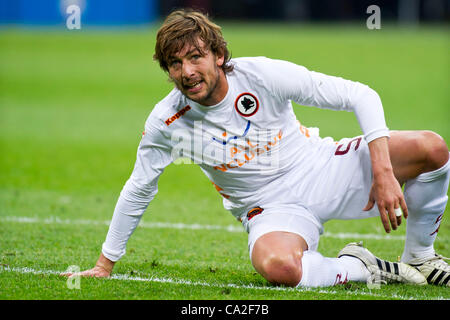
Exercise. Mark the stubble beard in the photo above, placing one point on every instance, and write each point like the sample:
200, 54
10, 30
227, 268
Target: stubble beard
210, 90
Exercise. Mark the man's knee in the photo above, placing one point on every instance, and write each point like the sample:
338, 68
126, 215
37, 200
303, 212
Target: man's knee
436, 150
277, 256
281, 269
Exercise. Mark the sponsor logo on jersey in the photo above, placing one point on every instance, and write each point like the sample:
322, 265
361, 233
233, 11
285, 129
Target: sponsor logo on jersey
177, 115
246, 104
248, 152
254, 212
224, 134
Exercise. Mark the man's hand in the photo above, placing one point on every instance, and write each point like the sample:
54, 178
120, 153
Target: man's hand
102, 269
386, 191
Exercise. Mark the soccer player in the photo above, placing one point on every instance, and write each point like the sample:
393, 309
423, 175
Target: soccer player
234, 118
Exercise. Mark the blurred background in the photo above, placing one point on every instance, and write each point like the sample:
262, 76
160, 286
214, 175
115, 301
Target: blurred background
77, 82
122, 12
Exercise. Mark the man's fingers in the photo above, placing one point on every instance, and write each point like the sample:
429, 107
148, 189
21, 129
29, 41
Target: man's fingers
392, 217
398, 214
384, 219
86, 273
66, 274
71, 274
369, 205
404, 207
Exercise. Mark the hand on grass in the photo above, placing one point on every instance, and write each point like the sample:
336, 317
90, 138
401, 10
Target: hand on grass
102, 269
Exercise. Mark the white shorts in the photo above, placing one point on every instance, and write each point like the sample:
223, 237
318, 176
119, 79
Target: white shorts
337, 188
277, 219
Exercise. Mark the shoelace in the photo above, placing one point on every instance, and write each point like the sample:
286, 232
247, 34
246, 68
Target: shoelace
375, 279
389, 276
442, 257
383, 277
440, 260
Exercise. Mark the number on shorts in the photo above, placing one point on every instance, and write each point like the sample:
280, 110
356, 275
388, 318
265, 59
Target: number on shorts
340, 152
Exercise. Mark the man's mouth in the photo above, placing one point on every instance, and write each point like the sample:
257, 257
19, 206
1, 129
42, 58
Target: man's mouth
193, 87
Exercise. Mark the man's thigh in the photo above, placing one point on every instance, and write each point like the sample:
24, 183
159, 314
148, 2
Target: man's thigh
340, 189
415, 152
292, 225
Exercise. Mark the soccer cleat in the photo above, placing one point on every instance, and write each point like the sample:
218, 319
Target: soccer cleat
381, 270
434, 269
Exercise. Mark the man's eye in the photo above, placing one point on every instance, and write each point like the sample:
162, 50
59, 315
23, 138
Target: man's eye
196, 56
174, 63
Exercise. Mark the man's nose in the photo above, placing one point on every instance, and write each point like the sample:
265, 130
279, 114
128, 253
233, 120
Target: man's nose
187, 70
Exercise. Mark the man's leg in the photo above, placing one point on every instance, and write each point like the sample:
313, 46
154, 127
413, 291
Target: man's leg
284, 258
421, 160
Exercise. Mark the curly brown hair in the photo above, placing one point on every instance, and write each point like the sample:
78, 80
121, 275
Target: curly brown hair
186, 26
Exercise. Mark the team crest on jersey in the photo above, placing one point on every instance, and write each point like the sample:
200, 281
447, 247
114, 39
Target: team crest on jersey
246, 104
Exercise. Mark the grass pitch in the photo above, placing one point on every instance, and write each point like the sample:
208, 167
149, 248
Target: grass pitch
72, 109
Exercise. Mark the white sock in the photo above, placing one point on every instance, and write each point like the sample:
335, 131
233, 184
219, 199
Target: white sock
426, 198
318, 271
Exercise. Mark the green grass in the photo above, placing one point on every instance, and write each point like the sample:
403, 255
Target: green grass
72, 109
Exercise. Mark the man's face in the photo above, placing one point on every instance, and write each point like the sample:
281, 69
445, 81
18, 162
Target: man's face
197, 74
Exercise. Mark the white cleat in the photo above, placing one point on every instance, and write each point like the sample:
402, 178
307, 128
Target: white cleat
382, 270
434, 269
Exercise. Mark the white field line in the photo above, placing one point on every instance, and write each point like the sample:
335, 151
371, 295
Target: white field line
124, 277
183, 226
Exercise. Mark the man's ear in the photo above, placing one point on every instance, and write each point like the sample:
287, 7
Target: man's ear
220, 59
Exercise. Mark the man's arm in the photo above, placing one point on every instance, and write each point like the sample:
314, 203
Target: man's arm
126, 217
386, 191
309, 88
152, 157
289, 81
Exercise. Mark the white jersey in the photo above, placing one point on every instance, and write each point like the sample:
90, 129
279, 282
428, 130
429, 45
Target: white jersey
247, 144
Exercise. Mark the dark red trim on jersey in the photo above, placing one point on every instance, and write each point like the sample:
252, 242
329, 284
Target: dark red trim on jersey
254, 212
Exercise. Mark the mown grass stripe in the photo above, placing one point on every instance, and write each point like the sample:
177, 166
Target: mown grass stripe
184, 226
124, 277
